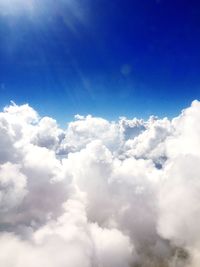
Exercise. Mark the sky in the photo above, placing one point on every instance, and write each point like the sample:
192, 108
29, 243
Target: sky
107, 189
106, 58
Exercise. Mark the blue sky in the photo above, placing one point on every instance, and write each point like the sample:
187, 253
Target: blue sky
106, 58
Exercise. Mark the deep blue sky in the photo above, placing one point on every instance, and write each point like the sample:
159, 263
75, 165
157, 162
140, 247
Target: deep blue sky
107, 58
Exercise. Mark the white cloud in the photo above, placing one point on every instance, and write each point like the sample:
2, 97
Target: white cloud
100, 193
86, 129
13, 186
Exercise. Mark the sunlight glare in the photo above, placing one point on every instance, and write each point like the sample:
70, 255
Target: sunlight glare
14, 7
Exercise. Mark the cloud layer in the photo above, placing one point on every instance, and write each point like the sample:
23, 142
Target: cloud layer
99, 193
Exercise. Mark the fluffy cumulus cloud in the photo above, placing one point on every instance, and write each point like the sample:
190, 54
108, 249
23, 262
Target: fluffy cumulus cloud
99, 194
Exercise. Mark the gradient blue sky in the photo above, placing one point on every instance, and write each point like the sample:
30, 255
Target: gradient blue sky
106, 58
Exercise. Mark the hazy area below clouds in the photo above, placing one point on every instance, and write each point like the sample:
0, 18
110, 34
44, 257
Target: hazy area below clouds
99, 193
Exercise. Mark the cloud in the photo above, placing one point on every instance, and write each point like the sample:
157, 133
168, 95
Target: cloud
99, 193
